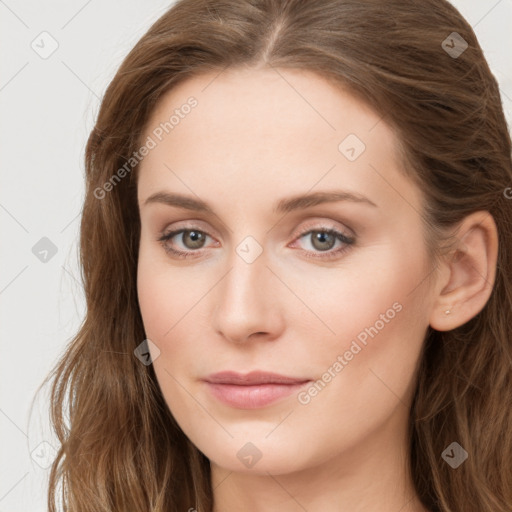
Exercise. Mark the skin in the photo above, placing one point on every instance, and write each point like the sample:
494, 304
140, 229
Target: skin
258, 136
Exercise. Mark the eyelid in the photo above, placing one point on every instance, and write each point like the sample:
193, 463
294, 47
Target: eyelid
323, 225
309, 227
197, 224
348, 242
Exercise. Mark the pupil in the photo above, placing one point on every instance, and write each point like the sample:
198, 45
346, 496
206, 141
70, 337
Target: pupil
322, 237
196, 238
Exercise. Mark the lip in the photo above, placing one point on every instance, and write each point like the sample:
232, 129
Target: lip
252, 390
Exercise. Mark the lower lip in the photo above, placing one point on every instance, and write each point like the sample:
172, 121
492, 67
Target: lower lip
252, 397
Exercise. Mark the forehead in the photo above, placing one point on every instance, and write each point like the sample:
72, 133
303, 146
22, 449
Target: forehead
279, 129
267, 99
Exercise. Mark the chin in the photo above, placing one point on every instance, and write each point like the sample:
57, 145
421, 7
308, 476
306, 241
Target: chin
258, 458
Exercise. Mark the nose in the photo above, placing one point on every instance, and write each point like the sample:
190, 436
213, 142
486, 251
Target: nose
247, 302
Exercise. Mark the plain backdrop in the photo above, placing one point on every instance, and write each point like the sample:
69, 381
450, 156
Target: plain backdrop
48, 105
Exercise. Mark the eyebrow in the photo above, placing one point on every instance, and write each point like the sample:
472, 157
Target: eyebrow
283, 206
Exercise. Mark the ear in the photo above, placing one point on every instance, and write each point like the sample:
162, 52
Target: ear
468, 273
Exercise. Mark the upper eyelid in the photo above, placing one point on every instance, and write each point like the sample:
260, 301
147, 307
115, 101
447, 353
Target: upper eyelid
303, 232
324, 225
347, 240
307, 225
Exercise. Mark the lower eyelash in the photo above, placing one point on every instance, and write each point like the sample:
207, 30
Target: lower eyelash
176, 252
164, 237
329, 254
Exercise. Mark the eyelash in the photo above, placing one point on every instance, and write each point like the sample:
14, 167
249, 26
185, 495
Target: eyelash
330, 254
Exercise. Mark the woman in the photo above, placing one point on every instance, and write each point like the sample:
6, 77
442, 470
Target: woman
296, 254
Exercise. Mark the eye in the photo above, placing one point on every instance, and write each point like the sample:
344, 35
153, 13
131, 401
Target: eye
192, 239
323, 240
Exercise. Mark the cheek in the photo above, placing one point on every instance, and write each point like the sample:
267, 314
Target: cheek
376, 288
165, 292
172, 302
378, 316
165, 303
154, 299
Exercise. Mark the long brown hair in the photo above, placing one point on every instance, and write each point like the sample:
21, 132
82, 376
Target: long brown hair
121, 450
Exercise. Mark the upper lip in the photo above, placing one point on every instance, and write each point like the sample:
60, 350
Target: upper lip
252, 378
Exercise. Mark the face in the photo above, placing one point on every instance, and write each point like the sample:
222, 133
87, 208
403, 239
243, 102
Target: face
239, 272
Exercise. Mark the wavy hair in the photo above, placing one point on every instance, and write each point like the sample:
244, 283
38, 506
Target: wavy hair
121, 449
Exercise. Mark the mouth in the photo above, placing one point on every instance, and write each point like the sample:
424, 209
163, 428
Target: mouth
253, 390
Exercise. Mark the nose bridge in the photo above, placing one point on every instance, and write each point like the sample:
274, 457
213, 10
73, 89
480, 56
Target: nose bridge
244, 285
246, 296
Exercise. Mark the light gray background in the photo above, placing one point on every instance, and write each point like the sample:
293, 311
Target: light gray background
48, 107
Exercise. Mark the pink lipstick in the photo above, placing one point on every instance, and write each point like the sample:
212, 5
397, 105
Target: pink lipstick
252, 390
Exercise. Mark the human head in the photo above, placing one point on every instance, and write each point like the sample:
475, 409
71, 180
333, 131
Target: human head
457, 139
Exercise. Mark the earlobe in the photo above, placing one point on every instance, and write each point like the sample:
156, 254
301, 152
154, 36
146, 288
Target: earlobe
470, 271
